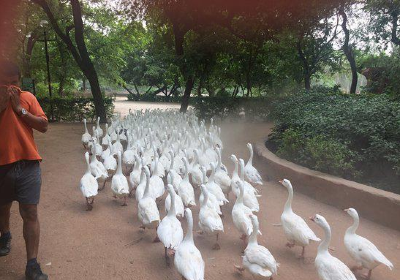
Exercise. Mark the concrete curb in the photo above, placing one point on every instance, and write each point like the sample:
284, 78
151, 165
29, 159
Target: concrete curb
373, 204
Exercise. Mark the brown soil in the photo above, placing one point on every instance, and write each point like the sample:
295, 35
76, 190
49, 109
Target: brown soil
106, 243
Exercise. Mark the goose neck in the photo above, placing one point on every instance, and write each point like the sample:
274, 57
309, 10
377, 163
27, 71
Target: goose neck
189, 234
251, 155
172, 210
86, 130
354, 226
88, 165
119, 169
253, 236
147, 188
288, 204
205, 200
235, 171
323, 247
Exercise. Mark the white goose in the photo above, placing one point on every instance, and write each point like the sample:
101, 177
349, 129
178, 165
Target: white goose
214, 188
250, 171
109, 161
249, 196
179, 207
117, 146
135, 175
99, 131
96, 148
175, 177
188, 260
139, 192
107, 149
119, 183
89, 185
258, 259
363, 251
212, 201
147, 208
329, 267
195, 170
241, 216
185, 189
221, 177
209, 219
170, 230
296, 230
106, 139
248, 188
156, 183
98, 170
86, 137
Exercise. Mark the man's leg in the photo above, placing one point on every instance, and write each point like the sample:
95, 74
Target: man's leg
5, 238
5, 211
31, 229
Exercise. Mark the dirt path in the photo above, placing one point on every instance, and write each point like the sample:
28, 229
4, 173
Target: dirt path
106, 243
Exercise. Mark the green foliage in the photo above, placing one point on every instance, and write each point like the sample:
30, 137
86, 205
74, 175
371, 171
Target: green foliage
364, 130
318, 152
73, 108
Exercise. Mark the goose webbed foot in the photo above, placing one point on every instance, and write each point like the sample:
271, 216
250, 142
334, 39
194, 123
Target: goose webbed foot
239, 269
367, 276
156, 240
104, 184
216, 247
124, 202
303, 251
290, 245
356, 267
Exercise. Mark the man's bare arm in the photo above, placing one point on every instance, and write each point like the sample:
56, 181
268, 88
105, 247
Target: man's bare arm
38, 123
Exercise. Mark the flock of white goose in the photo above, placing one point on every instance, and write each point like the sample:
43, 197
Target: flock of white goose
165, 154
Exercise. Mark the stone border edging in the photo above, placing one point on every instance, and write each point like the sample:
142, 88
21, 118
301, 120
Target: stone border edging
373, 204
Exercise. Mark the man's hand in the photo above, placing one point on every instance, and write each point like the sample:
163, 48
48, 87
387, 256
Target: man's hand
15, 93
4, 98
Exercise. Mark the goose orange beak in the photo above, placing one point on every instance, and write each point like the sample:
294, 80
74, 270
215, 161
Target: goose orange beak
345, 210
280, 181
312, 218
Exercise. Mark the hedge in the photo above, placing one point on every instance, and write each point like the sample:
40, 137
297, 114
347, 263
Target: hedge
353, 136
73, 109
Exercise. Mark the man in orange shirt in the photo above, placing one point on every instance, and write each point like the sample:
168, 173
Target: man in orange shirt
20, 175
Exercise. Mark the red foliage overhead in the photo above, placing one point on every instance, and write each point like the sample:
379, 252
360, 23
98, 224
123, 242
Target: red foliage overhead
270, 13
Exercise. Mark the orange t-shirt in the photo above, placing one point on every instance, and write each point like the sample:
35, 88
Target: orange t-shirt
16, 137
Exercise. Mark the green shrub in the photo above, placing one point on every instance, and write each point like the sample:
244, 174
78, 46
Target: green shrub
318, 153
73, 108
364, 130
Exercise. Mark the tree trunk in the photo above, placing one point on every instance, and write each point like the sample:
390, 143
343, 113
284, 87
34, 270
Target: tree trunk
78, 51
306, 68
128, 90
84, 84
137, 89
98, 101
28, 55
307, 81
348, 51
188, 89
61, 86
210, 91
395, 39
235, 91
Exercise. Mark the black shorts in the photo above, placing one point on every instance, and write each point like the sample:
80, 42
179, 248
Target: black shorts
20, 181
